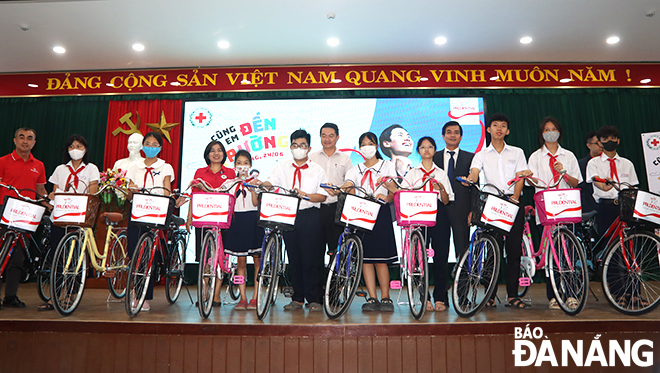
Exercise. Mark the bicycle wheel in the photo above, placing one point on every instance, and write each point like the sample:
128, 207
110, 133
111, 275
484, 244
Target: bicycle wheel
418, 275
343, 277
119, 262
68, 274
174, 276
232, 288
568, 272
476, 276
7, 240
268, 276
207, 274
139, 274
631, 277
43, 276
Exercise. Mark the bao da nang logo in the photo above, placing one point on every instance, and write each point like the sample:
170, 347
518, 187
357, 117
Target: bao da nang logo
533, 348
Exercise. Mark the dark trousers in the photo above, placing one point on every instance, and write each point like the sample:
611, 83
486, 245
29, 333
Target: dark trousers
460, 228
549, 293
14, 269
199, 236
438, 239
513, 253
303, 245
607, 213
330, 231
133, 234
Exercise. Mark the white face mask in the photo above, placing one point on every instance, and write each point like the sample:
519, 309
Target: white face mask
243, 169
551, 136
299, 153
369, 151
76, 154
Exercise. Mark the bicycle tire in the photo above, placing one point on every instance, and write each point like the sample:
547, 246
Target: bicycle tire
139, 274
268, 277
43, 276
343, 277
7, 240
232, 288
206, 275
175, 270
68, 274
568, 272
120, 262
418, 275
476, 276
624, 289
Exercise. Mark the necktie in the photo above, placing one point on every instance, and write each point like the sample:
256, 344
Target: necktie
613, 174
451, 165
371, 180
298, 173
147, 171
555, 173
73, 174
426, 176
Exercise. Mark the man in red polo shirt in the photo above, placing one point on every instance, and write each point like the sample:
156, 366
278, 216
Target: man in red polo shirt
22, 170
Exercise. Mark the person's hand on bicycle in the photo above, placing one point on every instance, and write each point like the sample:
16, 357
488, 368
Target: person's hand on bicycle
525, 173
181, 201
300, 193
332, 191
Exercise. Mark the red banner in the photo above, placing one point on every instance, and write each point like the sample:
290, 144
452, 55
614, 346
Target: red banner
263, 78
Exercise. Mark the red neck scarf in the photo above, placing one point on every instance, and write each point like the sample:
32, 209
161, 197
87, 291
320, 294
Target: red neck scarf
427, 175
371, 180
73, 174
613, 173
298, 173
148, 172
555, 174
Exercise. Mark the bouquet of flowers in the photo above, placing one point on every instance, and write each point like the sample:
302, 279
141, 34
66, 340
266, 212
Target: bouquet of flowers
116, 178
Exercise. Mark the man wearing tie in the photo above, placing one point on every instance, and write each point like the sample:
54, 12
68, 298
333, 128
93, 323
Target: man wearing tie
456, 162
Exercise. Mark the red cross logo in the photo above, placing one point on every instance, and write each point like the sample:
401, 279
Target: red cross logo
200, 117
655, 142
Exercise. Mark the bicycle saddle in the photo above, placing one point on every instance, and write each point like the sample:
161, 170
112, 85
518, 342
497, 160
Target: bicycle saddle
588, 215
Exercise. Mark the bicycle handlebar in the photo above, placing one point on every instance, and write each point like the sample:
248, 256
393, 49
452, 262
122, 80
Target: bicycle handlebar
18, 193
291, 192
358, 188
615, 184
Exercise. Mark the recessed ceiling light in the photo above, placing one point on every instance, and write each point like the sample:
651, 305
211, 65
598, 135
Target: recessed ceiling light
495, 78
613, 40
565, 80
423, 79
36, 86
440, 40
643, 81
245, 81
336, 80
175, 83
526, 40
333, 42
223, 44
59, 50
138, 47
109, 84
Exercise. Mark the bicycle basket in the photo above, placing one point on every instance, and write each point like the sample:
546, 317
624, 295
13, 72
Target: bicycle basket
416, 208
494, 212
212, 210
21, 215
556, 206
278, 211
640, 207
356, 212
151, 211
75, 209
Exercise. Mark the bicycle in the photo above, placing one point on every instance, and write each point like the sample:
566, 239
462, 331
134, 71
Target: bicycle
277, 214
357, 214
631, 264
69, 273
560, 252
165, 237
22, 216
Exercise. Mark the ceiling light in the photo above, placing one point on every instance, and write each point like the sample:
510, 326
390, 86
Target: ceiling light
440, 40
245, 81
59, 50
138, 47
613, 40
175, 83
495, 78
526, 40
223, 44
565, 80
109, 84
333, 42
36, 86
643, 81
336, 80
423, 79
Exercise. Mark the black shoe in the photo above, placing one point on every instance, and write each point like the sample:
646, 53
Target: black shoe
13, 302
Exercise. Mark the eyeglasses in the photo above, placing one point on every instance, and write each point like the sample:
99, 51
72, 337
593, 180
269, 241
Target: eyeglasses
301, 146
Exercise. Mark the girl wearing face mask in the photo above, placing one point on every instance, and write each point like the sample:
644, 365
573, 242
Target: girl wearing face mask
548, 163
379, 246
74, 175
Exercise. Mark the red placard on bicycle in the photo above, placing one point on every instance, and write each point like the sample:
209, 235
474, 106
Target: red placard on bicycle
556, 206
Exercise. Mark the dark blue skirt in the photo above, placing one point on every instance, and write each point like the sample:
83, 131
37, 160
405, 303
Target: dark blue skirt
244, 237
379, 245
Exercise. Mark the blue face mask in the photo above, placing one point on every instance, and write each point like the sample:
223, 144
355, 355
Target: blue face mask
150, 152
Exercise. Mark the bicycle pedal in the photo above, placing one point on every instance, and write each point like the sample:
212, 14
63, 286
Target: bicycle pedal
395, 285
287, 291
361, 293
430, 253
238, 280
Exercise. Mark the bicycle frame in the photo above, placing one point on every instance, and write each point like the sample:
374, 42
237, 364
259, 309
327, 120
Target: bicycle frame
18, 236
89, 242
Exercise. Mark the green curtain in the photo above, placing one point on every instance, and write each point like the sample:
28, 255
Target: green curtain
633, 111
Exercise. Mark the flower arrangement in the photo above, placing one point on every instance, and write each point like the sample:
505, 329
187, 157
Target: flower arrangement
116, 178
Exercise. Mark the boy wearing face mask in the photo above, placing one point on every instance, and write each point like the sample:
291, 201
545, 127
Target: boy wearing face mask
303, 244
610, 166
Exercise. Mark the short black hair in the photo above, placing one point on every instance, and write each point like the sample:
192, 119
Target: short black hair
589, 136
386, 136
498, 117
155, 135
452, 123
607, 131
242, 153
542, 128
330, 125
210, 146
371, 136
429, 139
301, 133
254, 170
26, 129
65, 153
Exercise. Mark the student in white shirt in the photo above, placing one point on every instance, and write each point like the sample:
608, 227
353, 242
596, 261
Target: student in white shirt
304, 242
438, 235
379, 245
547, 164
500, 163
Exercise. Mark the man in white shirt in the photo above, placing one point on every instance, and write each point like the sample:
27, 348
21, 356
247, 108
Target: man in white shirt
335, 164
304, 242
500, 163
